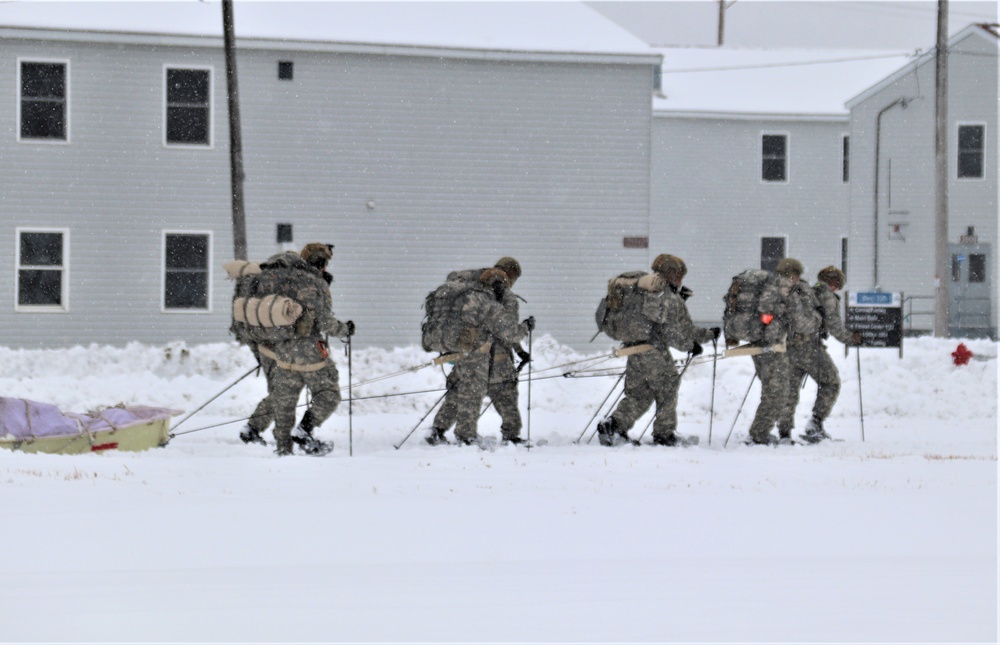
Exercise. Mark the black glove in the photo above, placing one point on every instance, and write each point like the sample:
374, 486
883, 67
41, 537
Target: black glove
530, 323
696, 350
350, 327
685, 293
716, 332
522, 354
855, 339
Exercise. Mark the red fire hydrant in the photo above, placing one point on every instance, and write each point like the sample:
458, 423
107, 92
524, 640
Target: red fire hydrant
961, 355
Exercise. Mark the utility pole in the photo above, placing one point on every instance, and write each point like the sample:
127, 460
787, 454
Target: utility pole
942, 270
722, 21
235, 136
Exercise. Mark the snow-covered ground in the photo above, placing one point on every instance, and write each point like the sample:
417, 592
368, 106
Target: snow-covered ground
890, 538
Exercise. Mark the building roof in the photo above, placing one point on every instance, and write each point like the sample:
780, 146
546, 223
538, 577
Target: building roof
785, 83
543, 27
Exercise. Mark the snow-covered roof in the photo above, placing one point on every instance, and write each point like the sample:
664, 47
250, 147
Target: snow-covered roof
793, 83
547, 27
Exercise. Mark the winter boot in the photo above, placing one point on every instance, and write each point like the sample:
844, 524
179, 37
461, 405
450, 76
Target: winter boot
436, 437
609, 433
302, 436
467, 441
249, 435
814, 431
284, 449
762, 440
670, 440
512, 439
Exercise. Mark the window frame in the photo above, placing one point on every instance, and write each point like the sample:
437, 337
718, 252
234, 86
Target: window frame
958, 151
208, 145
209, 261
63, 307
760, 249
66, 101
787, 158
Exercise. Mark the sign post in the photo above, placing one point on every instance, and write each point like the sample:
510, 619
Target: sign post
878, 315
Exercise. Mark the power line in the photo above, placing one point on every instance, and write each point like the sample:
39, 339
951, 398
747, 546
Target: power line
788, 63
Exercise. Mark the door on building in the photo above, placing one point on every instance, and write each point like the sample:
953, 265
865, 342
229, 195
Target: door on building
969, 290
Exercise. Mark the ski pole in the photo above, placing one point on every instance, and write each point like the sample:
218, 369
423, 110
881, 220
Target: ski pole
726, 445
646, 429
350, 401
228, 387
861, 404
529, 388
436, 403
711, 405
598, 411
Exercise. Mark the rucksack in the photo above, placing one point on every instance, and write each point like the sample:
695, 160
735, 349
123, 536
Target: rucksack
258, 317
443, 329
619, 314
741, 318
804, 313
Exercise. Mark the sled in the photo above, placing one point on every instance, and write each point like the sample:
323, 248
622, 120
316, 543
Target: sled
753, 350
29, 426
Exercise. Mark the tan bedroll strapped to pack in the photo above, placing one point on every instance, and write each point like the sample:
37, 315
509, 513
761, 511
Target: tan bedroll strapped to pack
753, 350
634, 349
236, 269
269, 311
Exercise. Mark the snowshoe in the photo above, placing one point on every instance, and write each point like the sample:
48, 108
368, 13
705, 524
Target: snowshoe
483, 443
249, 435
436, 437
676, 440
766, 440
316, 448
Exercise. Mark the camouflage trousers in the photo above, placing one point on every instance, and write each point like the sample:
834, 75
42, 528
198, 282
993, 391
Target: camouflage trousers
502, 391
772, 370
263, 414
650, 377
466, 387
810, 358
285, 387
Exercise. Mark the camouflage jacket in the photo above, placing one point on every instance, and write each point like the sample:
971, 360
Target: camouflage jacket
830, 308
510, 304
287, 274
672, 324
481, 310
802, 314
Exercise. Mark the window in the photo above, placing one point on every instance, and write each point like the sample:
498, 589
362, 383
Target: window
41, 269
846, 162
186, 278
284, 233
970, 151
843, 255
774, 157
977, 267
286, 70
43, 100
189, 114
772, 251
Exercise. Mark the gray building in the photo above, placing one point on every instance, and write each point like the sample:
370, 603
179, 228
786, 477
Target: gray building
893, 205
416, 138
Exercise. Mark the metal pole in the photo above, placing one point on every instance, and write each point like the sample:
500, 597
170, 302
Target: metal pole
350, 401
235, 138
436, 403
861, 404
711, 407
529, 388
941, 255
228, 387
600, 407
726, 445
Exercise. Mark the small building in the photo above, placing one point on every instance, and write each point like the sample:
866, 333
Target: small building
893, 207
416, 137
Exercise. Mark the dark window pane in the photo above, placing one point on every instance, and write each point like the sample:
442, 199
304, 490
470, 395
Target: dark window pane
843, 255
187, 86
186, 290
43, 80
43, 120
774, 145
285, 70
187, 125
970, 164
977, 268
39, 287
773, 170
970, 136
41, 249
847, 160
956, 269
284, 233
187, 252
772, 250
970, 151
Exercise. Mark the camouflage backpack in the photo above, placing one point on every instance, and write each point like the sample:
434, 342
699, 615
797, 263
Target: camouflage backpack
619, 314
259, 317
741, 319
443, 329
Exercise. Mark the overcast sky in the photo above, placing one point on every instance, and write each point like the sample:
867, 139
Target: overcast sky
865, 24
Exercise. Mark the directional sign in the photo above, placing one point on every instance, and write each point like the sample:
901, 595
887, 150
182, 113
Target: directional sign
878, 315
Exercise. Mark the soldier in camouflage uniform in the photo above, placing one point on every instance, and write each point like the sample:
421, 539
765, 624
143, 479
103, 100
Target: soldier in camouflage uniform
809, 356
803, 320
502, 388
484, 314
651, 375
772, 367
304, 360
